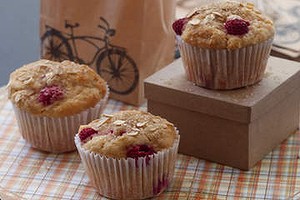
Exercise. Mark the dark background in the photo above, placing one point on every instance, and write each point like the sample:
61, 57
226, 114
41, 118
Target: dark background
19, 35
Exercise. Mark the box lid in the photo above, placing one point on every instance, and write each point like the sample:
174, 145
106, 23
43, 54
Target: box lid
170, 86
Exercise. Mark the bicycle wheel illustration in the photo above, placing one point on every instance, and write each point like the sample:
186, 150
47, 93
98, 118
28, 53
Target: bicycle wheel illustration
55, 47
119, 70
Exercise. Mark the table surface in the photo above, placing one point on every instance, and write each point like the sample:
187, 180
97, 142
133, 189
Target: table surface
26, 173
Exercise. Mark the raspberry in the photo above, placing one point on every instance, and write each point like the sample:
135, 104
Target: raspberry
50, 94
140, 151
86, 132
178, 25
122, 132
237, 27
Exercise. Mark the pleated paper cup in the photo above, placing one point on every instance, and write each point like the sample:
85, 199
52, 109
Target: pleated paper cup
129, 178
223, 68
55, 134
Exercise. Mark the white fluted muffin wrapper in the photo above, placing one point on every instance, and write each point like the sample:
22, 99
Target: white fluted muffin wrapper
128, 178
55, 134
224, 68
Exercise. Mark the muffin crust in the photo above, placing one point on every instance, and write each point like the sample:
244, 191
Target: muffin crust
124, 129
82, 87
205, 26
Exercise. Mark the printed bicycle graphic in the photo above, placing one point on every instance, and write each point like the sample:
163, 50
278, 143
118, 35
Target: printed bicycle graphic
112, 62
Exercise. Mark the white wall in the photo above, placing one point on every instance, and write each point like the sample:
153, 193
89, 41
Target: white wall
19, 35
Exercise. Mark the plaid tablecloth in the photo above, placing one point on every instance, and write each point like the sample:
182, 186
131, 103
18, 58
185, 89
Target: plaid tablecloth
26, 173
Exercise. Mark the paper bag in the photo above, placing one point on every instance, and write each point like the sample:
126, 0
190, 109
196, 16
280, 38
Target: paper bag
125, 41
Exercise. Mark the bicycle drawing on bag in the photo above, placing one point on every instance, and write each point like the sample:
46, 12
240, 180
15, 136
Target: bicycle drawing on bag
112, 62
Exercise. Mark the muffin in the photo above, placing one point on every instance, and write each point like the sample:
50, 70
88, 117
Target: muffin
224, 45
128, 155
52, 99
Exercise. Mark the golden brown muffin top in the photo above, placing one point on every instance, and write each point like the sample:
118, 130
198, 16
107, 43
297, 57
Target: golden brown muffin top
205, 27
55, 89
126, 133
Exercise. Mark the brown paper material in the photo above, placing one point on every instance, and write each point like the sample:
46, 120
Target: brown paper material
123, 40
235, 127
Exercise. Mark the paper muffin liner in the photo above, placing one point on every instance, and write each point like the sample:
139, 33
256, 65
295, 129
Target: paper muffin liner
55, 134
129, 178
223, 68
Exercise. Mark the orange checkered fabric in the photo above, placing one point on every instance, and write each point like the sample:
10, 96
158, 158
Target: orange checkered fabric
26, 173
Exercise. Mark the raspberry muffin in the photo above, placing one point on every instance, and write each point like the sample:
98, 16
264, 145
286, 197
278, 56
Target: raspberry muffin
128, 155
224, 45
52, 99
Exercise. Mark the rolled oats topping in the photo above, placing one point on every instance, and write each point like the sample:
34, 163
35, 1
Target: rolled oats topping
55, 89
141, 124
125, 130
226, 25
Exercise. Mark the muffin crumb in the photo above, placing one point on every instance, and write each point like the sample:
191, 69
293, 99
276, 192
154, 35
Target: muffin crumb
206, 26
126, 129
55, 89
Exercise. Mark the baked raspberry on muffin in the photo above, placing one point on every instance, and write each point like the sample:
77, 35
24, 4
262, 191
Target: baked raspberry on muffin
128, 155
51, 100
224, 45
